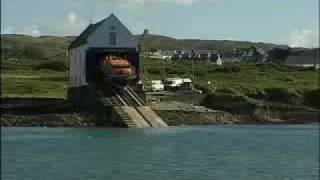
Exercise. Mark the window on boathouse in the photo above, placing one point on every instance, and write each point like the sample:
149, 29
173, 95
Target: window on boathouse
112, 38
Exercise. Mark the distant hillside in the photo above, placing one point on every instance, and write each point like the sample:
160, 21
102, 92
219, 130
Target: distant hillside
54, 47
43, 47
168, 43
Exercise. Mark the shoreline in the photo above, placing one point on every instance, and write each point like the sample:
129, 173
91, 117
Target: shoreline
182, 126
46, 112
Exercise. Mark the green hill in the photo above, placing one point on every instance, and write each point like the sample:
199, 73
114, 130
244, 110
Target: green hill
36, 67
54, 47
167, 43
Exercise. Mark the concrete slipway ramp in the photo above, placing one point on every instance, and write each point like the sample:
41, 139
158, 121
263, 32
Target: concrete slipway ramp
131, 110
151, 116
139, 117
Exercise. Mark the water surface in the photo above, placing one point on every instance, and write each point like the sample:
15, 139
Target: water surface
207, 152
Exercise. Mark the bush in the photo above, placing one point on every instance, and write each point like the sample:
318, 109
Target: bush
289, 79
200, 73
203, 88
155, 71
175, 70
226, 91
279, 94
229, 100
53, 65
253, 92
34, 52
312, 98
227, 69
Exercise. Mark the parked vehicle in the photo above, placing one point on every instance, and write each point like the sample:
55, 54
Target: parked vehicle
178, 84
173, 84
186, 84
157, 85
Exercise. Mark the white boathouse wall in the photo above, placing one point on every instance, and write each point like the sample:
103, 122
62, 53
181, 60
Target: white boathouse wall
78, 66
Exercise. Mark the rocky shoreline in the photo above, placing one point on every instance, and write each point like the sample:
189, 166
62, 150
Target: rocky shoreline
58, 113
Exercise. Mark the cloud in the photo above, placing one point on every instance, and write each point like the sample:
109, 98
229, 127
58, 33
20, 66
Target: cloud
161, 1
72, 17
183, 2
304, 38
73, 25
8, 30
32, 30
136, 4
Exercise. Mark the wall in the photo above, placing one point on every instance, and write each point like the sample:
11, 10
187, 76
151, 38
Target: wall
100, 38
77, 58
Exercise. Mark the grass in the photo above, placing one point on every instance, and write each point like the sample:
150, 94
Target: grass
247, 79
24, 79
35, 67
44, 84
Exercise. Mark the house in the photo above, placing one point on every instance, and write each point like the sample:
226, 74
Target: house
304, 58
167, 55
231, 57
219, 60
302, 61
254, 54
210, 55
155, 54
107, 37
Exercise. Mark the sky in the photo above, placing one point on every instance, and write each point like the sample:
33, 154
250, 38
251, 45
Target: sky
291, 22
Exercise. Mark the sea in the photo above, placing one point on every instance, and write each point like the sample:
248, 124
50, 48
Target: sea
235, 152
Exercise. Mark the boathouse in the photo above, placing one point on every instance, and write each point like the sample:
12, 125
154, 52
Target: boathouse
104, 37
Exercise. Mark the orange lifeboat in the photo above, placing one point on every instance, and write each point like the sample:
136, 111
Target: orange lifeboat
115, 68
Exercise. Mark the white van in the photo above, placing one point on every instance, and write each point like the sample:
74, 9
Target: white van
186, 84
157, 85
173, 83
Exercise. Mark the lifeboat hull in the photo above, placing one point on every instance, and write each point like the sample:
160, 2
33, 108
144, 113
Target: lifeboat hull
121, 80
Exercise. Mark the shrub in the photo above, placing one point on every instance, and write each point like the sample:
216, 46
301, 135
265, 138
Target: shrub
200, 73
279, 94
34, 52
174, 70
228, 69
253, 92
229, 100
203, 88
312, 98
155, 71
289, 79
226, 91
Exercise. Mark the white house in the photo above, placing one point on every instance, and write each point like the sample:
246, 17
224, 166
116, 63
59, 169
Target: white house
105, 37
219, 60
303, 61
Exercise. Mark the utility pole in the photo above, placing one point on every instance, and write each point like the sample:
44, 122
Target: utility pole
163, 70
140, 42
205, 50
193, 71
91, 16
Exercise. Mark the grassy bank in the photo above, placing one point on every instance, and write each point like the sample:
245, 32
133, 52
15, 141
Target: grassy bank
27, 83
36, 66
39, 78
259, 81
